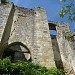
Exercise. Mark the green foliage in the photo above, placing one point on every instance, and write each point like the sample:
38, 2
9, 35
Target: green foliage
68, 9
3, 1
25, 68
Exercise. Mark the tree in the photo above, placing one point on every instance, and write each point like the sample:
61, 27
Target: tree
68, 9
3, 1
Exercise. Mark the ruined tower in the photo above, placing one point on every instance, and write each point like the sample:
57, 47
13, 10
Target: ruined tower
25, 35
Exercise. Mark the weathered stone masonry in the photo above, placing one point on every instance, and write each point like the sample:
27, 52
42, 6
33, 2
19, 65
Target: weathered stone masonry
30, 28
24, 35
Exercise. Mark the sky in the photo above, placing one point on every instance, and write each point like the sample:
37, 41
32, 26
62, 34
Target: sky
52, 8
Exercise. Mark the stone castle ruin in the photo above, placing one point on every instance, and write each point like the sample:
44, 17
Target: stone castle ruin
25, 35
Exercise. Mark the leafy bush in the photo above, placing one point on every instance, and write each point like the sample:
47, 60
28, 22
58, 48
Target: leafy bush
25, 68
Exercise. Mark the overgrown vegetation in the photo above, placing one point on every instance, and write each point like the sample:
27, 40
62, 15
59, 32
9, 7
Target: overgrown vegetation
25, 68
69, 36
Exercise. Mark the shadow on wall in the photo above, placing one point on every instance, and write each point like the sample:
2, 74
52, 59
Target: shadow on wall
57, 56
17, 51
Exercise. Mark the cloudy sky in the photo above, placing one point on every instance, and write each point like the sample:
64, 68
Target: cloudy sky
51, 6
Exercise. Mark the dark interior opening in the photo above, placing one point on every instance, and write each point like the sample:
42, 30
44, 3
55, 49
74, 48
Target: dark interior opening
9, 53
17, 51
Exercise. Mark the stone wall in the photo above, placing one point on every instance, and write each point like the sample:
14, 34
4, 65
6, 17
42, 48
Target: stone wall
65, 48
42, 39
23, 29
5, 14
27, 30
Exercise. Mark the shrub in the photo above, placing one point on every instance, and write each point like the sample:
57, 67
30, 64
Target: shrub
25, 68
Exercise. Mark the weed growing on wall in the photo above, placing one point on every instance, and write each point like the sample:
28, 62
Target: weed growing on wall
69, 36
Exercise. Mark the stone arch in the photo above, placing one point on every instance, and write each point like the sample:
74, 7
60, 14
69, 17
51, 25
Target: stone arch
17, 51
